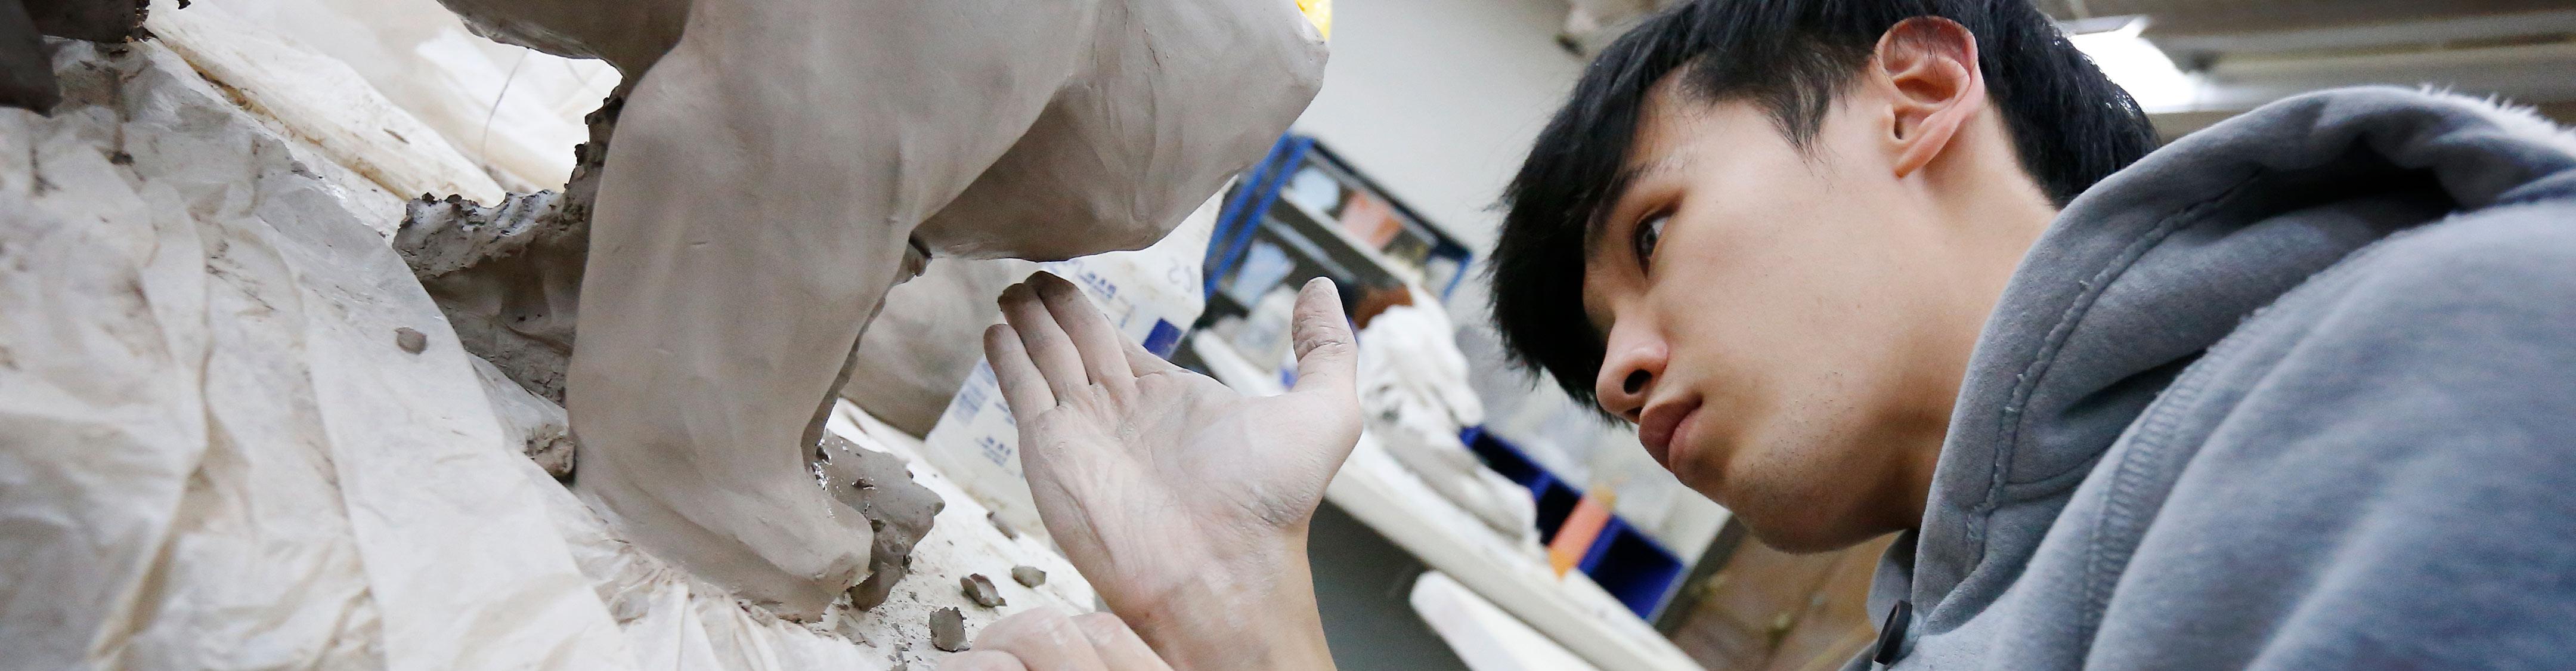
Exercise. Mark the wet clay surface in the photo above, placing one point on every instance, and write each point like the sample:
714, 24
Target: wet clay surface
899, 511
508, 275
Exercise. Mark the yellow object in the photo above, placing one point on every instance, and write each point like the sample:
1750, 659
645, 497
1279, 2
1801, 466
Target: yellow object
1320, 13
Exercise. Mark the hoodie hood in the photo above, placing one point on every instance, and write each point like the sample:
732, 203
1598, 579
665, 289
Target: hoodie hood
2148, 269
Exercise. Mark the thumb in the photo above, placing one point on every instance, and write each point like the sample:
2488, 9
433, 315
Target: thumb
1327, 356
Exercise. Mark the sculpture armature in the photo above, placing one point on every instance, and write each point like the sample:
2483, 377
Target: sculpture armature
773, 163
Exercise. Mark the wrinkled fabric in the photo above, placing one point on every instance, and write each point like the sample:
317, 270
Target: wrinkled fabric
2296, 391
215, 451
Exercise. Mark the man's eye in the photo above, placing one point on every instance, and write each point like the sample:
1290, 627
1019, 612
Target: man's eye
1649, 232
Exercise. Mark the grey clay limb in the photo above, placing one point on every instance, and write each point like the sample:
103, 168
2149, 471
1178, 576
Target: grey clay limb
1174, 96
772, 161
752, 213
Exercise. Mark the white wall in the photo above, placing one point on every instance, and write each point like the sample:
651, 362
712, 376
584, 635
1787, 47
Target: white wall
1437, 100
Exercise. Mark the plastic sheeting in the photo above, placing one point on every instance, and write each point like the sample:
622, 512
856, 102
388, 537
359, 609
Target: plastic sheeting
213, 452
511, 110
216, 453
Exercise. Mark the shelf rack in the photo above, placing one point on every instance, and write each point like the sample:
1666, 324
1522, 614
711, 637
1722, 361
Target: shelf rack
1306, 200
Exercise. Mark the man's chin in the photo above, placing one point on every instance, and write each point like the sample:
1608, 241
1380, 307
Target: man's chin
1790, 527
1800, 539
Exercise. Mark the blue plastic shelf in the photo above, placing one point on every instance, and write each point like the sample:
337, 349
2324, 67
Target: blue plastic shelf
1624, 561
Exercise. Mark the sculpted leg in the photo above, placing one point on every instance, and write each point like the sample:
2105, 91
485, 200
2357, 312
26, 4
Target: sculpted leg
754, 209
1172, 98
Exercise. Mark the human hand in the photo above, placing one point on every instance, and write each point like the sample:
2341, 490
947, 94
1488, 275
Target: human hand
1184, 502
1044, 640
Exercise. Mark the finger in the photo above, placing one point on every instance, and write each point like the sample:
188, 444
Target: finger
1102, 347
1118, 644
1327, 356
1043, 640
1048, 347
1022, 386
981, 660
1145, 362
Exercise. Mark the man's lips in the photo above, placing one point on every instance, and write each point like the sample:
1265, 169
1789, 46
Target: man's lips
1657, 426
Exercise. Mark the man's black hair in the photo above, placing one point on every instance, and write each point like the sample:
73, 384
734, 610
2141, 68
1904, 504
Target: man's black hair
2070, 126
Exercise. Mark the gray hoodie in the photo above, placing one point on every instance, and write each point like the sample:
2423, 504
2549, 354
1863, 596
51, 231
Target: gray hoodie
2296, 391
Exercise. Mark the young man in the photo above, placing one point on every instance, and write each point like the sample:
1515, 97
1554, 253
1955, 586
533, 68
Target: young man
2297, 391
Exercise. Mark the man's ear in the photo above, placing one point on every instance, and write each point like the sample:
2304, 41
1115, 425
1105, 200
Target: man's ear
1927, 66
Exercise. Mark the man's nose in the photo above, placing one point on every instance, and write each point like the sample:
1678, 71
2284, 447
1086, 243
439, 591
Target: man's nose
1628, 372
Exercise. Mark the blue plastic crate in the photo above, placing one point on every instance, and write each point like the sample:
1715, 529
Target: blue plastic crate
1624, 561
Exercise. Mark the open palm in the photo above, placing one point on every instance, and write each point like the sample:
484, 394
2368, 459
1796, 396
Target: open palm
1183, 501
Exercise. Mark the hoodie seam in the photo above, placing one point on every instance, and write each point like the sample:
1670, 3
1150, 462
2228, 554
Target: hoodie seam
2010, 417
2107, 556
2120, 504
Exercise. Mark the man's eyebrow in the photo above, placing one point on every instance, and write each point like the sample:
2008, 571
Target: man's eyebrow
1616, 189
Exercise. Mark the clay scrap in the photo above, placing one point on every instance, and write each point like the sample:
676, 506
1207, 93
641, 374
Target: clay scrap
948, 629
899, 511
1028, 576
411, 340
980, 590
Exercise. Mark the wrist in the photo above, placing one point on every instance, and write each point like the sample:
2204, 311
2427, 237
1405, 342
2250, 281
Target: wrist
1252, 610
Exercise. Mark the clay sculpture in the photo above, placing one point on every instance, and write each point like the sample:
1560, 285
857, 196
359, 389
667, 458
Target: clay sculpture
776, 163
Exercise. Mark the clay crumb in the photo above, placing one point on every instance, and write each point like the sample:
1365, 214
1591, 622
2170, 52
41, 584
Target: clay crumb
121, 158
948, 629
979, 589
996, 519
410, 340
1028, 576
